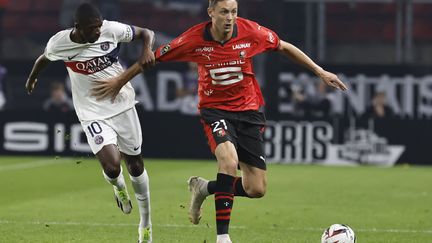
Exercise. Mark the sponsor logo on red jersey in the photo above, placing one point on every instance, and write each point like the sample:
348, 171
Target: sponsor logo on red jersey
205, 49
241, 46
229, 63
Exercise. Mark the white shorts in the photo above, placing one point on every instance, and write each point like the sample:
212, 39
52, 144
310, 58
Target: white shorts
123, 130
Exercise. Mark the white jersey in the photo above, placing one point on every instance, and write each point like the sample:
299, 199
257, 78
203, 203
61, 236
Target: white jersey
89, 62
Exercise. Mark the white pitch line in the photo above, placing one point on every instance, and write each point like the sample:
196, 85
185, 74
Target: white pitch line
396, 231
33, 164
364, 230
106, 224
402, 231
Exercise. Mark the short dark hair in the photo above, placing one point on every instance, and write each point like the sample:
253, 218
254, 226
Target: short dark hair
85, 12
212, 3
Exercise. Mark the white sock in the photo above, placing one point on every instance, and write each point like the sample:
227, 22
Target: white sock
140, 185
118, 182
223, 237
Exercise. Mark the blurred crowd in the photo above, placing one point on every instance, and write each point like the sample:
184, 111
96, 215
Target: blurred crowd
317, 100
29, 24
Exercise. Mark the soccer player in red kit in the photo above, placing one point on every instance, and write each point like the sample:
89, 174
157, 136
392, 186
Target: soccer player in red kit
230, 101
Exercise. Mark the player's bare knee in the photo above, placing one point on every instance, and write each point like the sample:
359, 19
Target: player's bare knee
111, 170
135, 169
256, 192
134, 165
260, 193
111, 166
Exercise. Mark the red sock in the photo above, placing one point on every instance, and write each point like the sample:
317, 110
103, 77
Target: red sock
224, 199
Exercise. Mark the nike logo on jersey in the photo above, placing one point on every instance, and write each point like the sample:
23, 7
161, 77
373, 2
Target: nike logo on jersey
72, 57
262, 158
136, 148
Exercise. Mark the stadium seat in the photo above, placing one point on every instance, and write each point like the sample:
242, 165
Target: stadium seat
422, 22
20, 5
361, 22
47, 5
14, 24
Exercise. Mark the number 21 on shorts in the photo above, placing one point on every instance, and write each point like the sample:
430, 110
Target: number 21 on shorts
218, 125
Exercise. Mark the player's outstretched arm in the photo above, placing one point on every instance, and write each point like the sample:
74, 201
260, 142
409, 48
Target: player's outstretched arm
111, 87
300, 57
38, 66
147, 58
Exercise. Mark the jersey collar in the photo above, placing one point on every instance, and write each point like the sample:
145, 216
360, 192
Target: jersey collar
208, 37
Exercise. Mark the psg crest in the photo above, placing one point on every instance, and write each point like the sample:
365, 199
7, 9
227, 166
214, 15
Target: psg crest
105, 46
98, 139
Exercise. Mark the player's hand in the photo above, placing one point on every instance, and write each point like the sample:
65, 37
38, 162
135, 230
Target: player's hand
332, 80
30, 85
148, 60
104, 89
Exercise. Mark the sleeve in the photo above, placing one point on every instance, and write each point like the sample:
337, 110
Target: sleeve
51, 51
122, 32
268, 39
178, 50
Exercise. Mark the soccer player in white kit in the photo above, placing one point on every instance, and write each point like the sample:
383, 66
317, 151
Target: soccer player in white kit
90, 53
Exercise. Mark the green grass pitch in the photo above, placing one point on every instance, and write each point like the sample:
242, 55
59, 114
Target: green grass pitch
67, 200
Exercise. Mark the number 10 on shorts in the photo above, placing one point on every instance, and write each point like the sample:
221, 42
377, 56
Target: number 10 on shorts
94, 128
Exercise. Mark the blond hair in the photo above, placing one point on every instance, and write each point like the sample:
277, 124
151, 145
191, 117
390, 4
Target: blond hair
212, 3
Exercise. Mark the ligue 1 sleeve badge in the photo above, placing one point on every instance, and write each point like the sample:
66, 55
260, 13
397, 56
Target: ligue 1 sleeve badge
165, 49
105, 46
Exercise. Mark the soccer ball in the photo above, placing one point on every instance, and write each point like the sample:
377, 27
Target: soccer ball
338, 233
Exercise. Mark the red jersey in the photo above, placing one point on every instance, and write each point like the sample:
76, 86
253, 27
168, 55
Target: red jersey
226, 79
